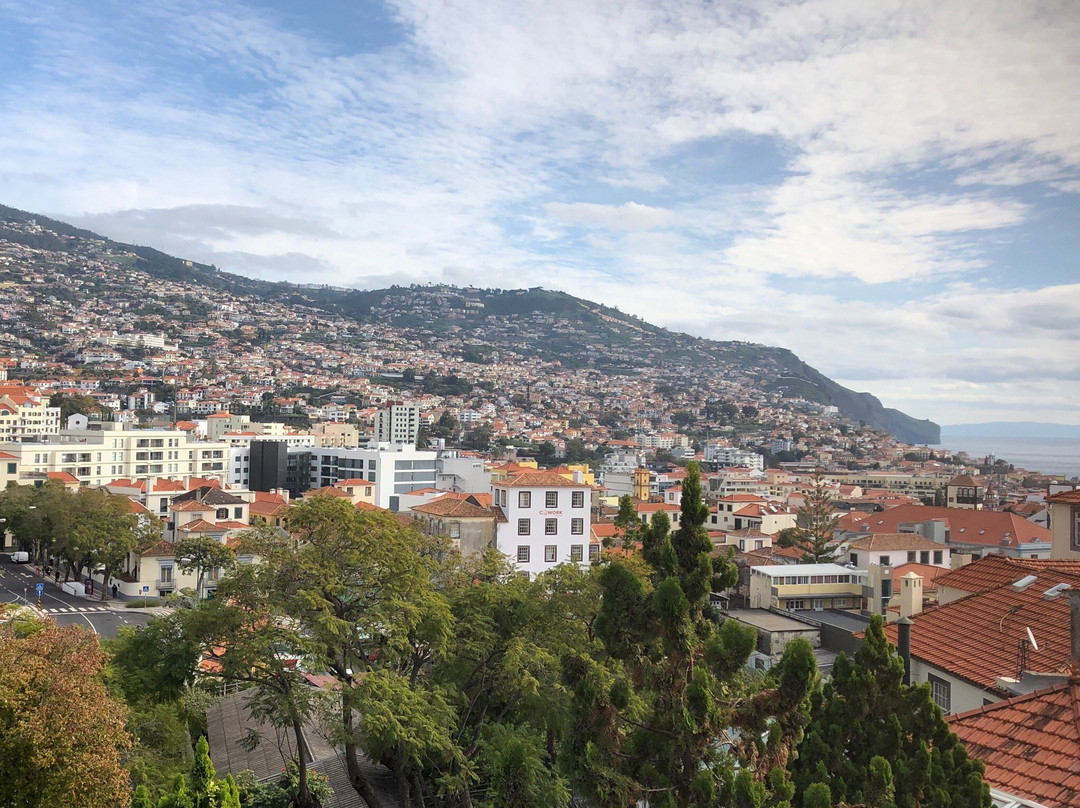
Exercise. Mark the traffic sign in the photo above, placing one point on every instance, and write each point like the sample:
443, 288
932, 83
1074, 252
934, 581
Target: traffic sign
40, 590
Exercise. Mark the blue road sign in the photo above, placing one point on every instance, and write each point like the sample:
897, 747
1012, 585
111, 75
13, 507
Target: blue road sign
40, 590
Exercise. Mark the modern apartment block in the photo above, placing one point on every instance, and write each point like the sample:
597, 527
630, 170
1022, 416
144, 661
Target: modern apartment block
114, 450
398, 423
394, 469
547, 521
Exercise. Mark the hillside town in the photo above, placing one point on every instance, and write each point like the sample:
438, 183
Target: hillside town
214, 412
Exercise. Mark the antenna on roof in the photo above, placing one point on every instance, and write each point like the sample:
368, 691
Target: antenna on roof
1031, 638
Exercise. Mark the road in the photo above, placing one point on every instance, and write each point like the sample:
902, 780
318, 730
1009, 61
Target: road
17, 580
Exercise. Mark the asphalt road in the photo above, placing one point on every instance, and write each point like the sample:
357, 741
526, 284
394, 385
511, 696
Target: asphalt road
19, 580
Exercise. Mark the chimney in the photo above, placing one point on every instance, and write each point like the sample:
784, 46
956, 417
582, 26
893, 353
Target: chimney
903, 645
911, 594
1074, 629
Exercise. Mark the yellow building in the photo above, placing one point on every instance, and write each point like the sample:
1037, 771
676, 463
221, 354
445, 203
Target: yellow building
806, 587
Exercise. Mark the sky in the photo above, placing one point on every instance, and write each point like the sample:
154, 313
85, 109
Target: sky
889, 189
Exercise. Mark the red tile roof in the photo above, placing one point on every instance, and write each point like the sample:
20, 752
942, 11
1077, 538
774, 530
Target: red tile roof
541, 479
896, 541
1068, 497
993, 528
976, 638
1029, 744
453, 507
996, 569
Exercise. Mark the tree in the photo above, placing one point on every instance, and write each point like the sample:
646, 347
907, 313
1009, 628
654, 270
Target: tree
253, 641
479, 438
103, 531
816, 523
874, 740
202, 554
653, 723
628, 522
365, 596
61, 734
422, 437
70, 405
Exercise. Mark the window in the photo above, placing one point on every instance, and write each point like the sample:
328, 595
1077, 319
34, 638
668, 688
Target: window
12, 468
524, 499
883, 560
594, 552
577, 499
166, 575
238, 513
551, 527
576, 552
795, 605
911, 556
455, 530
854, 559
551, 499
938, 555
577, 527
841, 603
941, 691
524, 527
550, 552
221, 513
523, 554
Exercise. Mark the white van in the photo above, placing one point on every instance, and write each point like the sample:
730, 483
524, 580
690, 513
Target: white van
20, 557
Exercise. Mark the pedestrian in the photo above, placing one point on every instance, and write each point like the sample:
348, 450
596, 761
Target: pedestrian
114, 591
58, 575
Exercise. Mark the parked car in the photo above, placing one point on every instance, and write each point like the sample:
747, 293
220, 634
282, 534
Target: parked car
20, 557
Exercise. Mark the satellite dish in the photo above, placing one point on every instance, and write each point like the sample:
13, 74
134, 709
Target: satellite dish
1031, 638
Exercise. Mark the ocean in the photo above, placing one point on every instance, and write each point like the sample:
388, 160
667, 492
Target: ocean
1058, 456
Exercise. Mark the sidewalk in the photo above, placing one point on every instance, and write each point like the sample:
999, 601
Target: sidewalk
115, 604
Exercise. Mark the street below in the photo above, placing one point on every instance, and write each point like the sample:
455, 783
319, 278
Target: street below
18, 584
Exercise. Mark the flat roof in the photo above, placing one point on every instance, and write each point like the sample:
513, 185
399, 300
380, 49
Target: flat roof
774, 570
767, 620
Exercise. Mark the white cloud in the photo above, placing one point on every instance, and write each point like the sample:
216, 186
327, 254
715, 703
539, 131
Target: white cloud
629, 216
497, 130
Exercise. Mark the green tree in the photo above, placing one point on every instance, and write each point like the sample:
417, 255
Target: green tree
70, 405
816, 523
628, 522
204, 784
103, 531
202, 555
479, 438
874, 740
650, 725
366, 597
253, 640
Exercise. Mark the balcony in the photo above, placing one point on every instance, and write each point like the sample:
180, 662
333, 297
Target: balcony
165, 586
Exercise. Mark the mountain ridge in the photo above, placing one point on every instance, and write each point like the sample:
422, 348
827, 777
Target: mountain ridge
485, 322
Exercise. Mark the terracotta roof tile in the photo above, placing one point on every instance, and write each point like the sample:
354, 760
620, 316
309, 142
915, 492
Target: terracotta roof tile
1069, 497
541, 479
1029, 744
896, 541
451, 506
996, 569
992, 528
976, 637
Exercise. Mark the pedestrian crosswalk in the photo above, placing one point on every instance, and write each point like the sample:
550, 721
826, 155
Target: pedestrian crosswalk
77, 609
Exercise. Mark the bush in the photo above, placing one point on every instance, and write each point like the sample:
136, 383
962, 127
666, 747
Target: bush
142, 603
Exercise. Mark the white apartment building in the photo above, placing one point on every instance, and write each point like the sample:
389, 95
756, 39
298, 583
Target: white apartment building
395, 469
548, 521
398, 423
115, 451
25, 414
732, 457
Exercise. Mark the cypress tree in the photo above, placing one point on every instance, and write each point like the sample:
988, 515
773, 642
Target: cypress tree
874, 740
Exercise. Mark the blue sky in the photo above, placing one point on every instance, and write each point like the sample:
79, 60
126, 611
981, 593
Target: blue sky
890, 189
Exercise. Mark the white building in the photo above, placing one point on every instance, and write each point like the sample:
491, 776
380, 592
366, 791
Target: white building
395, 469
114, 450
398, 423
547, 521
